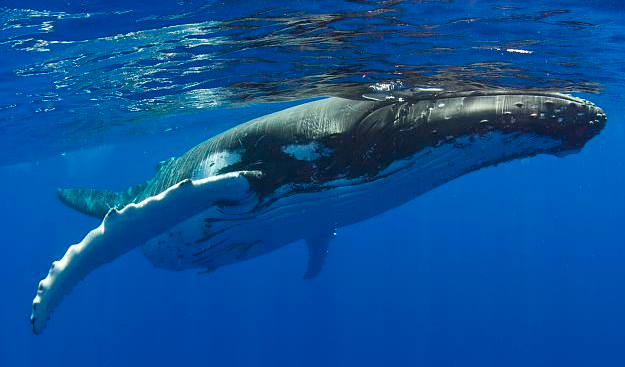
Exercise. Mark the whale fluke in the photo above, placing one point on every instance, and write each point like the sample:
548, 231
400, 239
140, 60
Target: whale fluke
97, 203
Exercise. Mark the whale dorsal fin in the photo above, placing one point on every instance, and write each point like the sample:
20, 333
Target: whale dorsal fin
317, 252
97, 203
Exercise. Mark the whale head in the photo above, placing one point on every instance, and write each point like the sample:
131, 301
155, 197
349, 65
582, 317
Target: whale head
474, 129
568, 121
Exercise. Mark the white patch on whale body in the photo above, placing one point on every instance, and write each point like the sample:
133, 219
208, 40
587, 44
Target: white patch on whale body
216, 162
306, 152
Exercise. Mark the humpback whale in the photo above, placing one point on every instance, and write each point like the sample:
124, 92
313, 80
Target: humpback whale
302, 172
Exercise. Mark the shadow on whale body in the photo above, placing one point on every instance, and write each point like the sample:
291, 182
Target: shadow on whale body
301, 172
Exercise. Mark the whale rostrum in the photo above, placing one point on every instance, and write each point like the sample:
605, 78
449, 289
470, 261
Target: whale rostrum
300, 173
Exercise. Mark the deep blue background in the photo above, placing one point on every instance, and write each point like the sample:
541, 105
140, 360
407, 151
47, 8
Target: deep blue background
517, 265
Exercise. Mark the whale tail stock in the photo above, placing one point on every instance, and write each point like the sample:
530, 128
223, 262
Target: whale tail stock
97, 203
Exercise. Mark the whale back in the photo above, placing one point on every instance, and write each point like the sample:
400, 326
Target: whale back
233, 150
259, 143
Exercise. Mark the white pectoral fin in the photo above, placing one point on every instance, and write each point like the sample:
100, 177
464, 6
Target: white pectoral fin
123, 230
317, 252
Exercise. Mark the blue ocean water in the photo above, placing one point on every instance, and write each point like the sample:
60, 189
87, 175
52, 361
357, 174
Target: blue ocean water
515, 265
